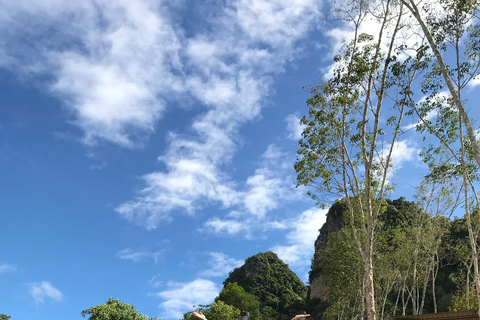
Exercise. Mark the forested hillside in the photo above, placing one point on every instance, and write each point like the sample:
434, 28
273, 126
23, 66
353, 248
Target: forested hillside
423, 265
269, 279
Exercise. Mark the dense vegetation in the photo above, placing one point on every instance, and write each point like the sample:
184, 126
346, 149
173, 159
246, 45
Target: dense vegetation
423, 265
264, 286
277, 288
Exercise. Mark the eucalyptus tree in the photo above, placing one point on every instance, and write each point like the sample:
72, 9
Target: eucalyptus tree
444, 21
452, 33
346, 150
438, 198
458, 244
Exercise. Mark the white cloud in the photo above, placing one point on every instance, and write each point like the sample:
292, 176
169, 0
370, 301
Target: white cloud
276, 22
155, 282
41, 290
220, 265
264, 191
474, 82
271, 184
110, 61
403, 151
230, 73
191, 184
267, 186
181, 297
5, 267
137, 255
117, 65
294, 128
409, 34
441, 98
301, 236
430, 115
224, 226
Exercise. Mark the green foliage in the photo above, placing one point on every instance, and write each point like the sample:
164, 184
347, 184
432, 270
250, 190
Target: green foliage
234, 295
405, 234
114, 310
272, 283
335, 222
460, 302
218, 310
343, 272
4, 317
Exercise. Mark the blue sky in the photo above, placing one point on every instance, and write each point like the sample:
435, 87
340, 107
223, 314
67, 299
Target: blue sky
147, 148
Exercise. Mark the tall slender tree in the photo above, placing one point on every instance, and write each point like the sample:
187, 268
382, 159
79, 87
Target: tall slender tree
451, 29
346, 150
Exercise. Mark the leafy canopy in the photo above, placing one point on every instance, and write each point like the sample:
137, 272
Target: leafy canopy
114, 310
234, 295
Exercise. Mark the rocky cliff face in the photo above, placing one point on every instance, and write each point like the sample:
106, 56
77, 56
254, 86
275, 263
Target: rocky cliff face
334, 223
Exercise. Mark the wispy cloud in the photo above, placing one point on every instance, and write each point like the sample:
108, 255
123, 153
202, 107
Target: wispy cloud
294, 128
181, 297
155, 281
301, 234
137, 255
225, 226
441, 98
232, 70
475, 81
110, 61
404, 151
220, 265
409, 35
116, 66
5, 267
269, 187
41, 290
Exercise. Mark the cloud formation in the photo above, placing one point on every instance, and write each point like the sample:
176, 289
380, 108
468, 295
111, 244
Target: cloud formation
220, 265
181, 297
137, 255
270, 186
41, 290
111, 61
294, 128
302, 232
231, 73
5, 267
117, 67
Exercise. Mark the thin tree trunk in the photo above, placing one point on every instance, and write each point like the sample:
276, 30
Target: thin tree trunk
396, 302
363, 298
424, 291
471, 235
467, 286
410, 4
434, 277
369, 285
404, 305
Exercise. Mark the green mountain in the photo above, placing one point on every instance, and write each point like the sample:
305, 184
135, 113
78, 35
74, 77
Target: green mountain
422, 264
277, 288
